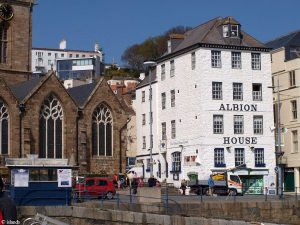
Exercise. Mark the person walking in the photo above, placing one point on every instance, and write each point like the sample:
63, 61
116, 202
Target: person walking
7, 206
183, 186
211, 185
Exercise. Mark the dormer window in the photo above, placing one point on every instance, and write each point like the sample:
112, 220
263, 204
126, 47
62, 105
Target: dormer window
225, 31
230, 30
234, 31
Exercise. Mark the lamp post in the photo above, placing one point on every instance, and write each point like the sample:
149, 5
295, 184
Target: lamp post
279, 153
149, 64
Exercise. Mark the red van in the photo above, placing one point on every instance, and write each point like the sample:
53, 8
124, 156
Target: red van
96, 187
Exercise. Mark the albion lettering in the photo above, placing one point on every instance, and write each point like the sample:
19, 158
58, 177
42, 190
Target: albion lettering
238, 107
240, 140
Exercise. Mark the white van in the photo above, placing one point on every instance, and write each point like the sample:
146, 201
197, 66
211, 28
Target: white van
136, 171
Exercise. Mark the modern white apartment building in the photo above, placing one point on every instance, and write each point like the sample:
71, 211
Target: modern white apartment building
69, 64
212, 110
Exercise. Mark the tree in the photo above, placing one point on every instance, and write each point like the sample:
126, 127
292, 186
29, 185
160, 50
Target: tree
150, 49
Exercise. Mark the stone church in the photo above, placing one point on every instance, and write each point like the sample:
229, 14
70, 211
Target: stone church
85, 124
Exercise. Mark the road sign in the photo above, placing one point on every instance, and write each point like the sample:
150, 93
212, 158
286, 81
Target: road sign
276, 169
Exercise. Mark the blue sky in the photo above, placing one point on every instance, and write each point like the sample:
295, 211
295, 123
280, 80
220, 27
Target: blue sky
117, 24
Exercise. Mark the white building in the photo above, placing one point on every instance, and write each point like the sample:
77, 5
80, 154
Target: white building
67, 61
211, 106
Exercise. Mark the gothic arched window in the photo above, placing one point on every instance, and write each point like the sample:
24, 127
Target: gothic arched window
4, 128
3, 42
102, 131
51, 129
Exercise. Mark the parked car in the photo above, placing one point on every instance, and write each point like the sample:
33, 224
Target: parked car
95, 187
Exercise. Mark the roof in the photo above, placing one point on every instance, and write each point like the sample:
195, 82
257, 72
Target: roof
21, 90
124, 78
291, 39
81, 93
211, 33
64, 50
146, 80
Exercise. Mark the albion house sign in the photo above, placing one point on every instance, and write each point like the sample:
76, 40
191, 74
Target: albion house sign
239, 107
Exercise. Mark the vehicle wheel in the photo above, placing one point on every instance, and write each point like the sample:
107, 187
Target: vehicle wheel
109, 195
233, 192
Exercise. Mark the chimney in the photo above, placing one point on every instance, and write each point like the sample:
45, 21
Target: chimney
142, 76
174, 41
63, 44
96, 47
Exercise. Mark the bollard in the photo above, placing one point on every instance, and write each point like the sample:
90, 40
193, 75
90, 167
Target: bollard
296, 195
266, 194
167, 200
201, 193
130, 195
118, 200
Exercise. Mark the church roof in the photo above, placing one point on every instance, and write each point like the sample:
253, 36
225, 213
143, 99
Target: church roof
81, 93
21, 90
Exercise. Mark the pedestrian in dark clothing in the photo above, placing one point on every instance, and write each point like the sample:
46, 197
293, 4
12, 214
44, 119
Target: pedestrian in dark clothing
7, 207
134, 185
183, 186
151, 182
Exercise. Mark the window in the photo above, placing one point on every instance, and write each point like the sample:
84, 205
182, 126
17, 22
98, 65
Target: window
216, 59
256, 92
292, 78
294, 141
225, 31
217, 90
144, 142
51, 128
62, 55
102, 183
294, 109
219, 157
172, 68
258, 124
218, 124
236, 61
143, 119
102, 131
176, 162
237, 91
163, 71
172, 98
193, 60
55, 55
234, 31
49, 62
164, 131
173, 129
4, 129
163, 100
49, 53
77, 55
83, 56
238, 124
89, 183
143, 96
255, 61
70, 55
3, 43
259, 157
239, 156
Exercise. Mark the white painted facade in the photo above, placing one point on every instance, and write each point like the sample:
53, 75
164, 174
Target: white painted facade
194, 110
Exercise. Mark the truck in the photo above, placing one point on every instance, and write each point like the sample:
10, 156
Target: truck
225, 183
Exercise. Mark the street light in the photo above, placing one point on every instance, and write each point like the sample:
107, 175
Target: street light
279, 153
149, 65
